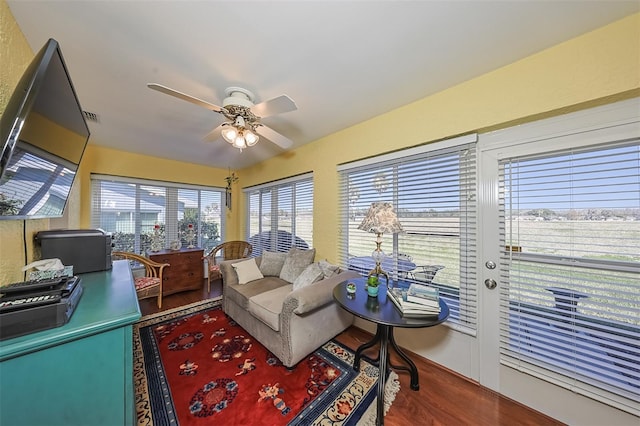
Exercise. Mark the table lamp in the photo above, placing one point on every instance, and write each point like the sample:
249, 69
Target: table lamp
380, 219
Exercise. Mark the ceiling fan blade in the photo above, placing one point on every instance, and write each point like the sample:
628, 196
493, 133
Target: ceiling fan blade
214, 134
278, 105
275, 137
184, 97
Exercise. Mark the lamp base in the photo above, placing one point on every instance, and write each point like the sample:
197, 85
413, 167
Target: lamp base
377, 272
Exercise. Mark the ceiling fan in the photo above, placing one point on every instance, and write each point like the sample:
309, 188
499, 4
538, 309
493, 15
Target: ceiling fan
243, 125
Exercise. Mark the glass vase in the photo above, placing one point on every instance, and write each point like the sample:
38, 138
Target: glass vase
156, 241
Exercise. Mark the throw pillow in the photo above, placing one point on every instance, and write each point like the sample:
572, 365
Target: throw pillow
295, 262
247, 271
271, 263
328, 270
310, 275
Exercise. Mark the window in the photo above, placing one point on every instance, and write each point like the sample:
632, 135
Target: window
280, 214
130, 209
570, 291
433, 191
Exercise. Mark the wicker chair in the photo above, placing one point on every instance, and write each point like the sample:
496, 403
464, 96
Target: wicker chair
230, 250
150, 285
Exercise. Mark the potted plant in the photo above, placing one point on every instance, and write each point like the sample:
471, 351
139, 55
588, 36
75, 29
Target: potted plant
372, 285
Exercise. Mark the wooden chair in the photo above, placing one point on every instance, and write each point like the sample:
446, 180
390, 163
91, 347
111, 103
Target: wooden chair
230, 250
150, 285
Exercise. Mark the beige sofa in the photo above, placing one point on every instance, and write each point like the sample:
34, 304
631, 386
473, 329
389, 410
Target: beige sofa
289, 323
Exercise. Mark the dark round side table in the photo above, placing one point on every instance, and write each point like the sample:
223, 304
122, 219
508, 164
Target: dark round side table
386, 316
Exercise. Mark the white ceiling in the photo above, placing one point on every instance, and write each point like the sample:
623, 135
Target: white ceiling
342, 62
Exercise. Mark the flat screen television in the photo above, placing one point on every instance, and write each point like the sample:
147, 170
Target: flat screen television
43, 135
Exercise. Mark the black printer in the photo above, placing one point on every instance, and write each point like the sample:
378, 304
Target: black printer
87, 250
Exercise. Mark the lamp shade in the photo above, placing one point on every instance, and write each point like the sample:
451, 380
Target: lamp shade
381, 219
239, 137
229, 133
239, 142
250, 137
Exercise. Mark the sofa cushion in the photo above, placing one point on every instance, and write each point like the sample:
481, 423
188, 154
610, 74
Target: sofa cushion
272, 263
241, 294
328, 269
267, 306
247, 271
310, 275
296, 262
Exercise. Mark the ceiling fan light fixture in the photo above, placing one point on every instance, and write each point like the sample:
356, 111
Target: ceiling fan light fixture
229, 133
239, 142
243, 115
250, 137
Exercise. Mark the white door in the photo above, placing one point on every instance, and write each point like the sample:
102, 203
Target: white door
489, 271
586, 128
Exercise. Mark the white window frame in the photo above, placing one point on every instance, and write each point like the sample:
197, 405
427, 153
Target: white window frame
463, 300
169, 217
269, 206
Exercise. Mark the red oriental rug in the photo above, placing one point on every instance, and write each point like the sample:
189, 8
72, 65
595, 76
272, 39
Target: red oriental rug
195, 366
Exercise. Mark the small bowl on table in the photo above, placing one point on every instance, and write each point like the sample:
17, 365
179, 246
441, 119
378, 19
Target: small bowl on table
351, 288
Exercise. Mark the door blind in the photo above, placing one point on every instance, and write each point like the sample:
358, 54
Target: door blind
570, 290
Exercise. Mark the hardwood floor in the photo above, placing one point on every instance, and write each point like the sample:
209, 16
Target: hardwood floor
444, 398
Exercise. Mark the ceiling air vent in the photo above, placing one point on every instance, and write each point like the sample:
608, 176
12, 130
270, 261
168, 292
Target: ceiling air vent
91, 116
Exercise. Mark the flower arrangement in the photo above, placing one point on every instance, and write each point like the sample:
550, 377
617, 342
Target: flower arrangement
156, 239
190, 236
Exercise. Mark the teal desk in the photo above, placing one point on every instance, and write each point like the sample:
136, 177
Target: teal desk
80, 373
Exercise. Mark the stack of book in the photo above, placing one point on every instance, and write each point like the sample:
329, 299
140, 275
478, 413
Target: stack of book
418, 301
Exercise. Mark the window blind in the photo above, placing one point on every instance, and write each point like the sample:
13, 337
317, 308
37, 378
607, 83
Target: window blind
433, 190
131, 208
280, 214
570, 290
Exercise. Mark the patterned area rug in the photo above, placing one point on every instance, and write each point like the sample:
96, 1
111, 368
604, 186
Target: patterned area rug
194, 366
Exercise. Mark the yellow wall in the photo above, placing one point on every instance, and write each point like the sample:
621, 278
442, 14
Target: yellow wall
15, 56
598, 67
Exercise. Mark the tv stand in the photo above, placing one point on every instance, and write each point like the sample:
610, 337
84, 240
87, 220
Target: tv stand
82, 372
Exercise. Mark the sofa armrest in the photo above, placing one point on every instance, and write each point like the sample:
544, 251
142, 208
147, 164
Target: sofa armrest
315, 295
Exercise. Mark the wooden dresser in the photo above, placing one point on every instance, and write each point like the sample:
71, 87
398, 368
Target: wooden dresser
186, 271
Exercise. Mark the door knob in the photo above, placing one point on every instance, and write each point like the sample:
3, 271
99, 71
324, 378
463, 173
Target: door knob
490, 264
490, 283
